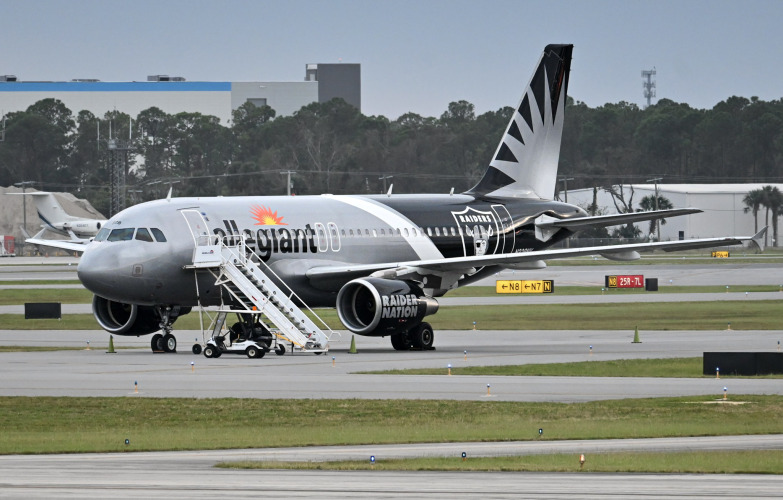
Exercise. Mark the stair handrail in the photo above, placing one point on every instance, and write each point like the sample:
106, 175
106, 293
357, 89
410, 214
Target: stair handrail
241, 247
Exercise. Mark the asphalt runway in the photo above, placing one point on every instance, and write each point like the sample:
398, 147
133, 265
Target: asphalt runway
95, 373
189, 475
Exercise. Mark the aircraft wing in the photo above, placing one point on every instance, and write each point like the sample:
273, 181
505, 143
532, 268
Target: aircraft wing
70, 245
469, 265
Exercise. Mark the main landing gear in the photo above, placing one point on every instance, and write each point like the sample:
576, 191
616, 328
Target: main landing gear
419, 338
165, 342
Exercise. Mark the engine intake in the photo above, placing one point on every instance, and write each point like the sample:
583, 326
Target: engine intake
124, 319
379, 307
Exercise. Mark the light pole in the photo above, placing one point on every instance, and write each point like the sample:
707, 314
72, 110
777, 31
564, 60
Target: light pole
383, 178
288, 184
657, 221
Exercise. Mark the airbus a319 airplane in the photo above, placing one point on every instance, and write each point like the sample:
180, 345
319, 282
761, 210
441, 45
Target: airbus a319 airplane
381, 260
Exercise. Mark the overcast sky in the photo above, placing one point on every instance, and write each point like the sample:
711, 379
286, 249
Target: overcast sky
415, 55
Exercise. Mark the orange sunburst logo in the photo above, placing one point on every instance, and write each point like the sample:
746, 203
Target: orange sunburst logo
266, 217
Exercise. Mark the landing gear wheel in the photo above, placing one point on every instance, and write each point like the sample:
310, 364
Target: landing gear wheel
209, 351
169, 343
280, 349
156, 344
196, 349
401, 341
423, 337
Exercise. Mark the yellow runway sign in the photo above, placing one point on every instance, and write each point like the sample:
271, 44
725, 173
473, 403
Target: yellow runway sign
524, 286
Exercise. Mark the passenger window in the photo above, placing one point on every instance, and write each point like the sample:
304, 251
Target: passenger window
383, 232
102, 234
158, 234
374, 233
437, 231
406, 232
143, 235
453, 231
429, 231
125, 234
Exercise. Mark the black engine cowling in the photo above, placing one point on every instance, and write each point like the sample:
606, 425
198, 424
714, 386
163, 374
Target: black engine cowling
128, 319
379, 307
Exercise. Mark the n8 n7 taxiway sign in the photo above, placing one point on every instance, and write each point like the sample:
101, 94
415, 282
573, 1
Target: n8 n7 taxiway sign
524, 286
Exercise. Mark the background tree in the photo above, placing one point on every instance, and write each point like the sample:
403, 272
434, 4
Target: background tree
647, 204
753, 201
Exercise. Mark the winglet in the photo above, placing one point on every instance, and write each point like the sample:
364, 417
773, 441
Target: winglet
168, 196
757, 239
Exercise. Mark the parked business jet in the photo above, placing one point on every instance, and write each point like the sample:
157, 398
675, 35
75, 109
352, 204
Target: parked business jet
55, 219
381, 260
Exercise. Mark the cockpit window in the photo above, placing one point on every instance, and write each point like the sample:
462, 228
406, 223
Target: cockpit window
102, 234
124, 234
143, 235
158, 234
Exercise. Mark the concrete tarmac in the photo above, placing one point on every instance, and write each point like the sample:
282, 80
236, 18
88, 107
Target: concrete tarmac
192, 474
94, 373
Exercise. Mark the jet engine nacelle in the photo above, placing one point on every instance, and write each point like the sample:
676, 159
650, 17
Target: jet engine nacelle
378, 307
128, 319
82, 226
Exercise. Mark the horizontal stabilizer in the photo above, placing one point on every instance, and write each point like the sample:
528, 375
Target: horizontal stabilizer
578, 224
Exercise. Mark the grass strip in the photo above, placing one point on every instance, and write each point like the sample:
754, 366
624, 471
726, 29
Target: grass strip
743, 315
27, 348
66, 425
662, 367
17, 296
713, 462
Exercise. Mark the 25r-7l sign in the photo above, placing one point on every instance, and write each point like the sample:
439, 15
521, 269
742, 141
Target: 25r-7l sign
625, 281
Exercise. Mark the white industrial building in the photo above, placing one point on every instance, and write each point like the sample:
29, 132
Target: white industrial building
723, 210
172, 95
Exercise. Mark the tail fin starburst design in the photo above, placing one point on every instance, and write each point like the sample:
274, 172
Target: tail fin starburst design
525, 162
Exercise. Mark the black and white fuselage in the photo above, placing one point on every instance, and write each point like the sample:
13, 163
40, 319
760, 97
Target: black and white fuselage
297, 235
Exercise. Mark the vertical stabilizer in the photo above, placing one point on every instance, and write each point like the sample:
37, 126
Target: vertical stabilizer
525, 162
49, 210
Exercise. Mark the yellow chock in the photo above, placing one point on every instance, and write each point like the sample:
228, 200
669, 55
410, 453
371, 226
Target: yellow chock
636, 336
352, 350
111, 345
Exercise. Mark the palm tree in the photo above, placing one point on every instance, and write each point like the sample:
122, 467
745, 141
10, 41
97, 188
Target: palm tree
753, 201
773, 200
648, 204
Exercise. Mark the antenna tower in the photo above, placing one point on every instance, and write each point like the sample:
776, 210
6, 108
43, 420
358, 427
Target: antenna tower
648, 84
118, 159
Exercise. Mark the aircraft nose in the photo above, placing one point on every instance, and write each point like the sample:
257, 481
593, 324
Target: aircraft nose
98, 271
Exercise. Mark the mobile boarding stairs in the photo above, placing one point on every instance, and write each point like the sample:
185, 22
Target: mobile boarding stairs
252, 289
